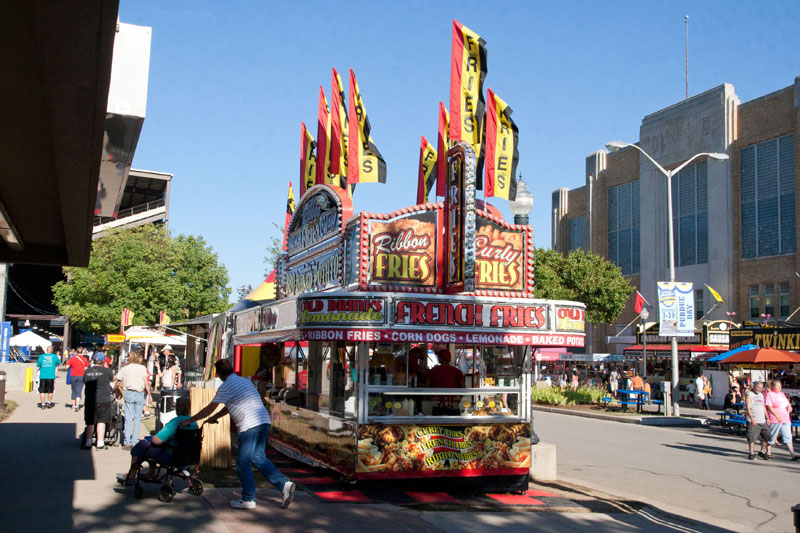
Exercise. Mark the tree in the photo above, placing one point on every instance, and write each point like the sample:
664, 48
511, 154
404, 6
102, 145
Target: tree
274, 250
145, 270
583, 277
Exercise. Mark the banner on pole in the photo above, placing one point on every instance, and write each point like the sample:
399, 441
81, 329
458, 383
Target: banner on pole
427, 170
308, 161
676, 308
365, 162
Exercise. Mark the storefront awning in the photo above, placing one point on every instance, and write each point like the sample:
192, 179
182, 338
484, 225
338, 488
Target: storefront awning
685, 351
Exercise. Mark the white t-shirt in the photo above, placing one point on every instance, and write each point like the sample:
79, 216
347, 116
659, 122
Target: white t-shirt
243, 401
132, 377
699, 386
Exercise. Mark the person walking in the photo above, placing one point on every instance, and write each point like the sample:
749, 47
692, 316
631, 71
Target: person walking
132, 379
778, 412
757, 428
47, 363
699, 388
77, 364
241, 400
706, 393
97, 410
613, 380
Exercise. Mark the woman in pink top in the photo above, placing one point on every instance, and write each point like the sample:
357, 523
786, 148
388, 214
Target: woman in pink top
778, 409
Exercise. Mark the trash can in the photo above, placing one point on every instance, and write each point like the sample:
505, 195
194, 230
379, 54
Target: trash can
166, 405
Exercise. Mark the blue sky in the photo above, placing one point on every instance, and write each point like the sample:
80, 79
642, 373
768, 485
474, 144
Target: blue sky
231, 81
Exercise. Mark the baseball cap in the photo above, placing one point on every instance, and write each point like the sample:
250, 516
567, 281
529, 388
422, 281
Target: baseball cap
167, 347
99, 357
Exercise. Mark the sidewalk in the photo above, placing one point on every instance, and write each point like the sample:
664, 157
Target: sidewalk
49, 484
690, 416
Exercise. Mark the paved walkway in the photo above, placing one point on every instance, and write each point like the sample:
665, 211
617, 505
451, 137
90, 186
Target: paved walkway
49, 484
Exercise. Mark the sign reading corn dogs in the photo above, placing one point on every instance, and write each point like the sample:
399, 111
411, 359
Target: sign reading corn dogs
386, 451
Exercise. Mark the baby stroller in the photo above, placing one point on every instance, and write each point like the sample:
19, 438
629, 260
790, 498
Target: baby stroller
185, 465
116, 426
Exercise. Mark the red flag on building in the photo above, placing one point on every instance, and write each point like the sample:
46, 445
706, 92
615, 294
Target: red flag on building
323, 134
640, 302
467, 73
365, 163
502, 153
289, 213
442, 146
339, 133
308, 161
427, 170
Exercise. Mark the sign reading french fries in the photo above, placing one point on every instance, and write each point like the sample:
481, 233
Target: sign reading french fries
386, 451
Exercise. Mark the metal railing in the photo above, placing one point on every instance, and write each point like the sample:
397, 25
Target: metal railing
135, 210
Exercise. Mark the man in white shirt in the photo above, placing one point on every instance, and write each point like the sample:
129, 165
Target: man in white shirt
132, 379
242, 401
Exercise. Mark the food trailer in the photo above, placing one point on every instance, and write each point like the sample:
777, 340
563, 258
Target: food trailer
375, 296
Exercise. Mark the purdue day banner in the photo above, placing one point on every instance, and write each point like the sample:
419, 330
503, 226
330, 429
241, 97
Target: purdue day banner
676, 308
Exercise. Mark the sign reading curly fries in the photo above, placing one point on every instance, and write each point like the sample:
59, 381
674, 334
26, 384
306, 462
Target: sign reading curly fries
499, 257
498, 449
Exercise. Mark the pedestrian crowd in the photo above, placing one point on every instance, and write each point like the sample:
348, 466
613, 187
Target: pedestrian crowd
768, 416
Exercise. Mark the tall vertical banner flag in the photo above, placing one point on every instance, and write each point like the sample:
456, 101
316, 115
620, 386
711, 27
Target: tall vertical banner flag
365, 163
339, 133
163, 318
467, 73
323, 136
289, 213
127, 317
502, 153
308, 161
676, 308
5, 340
427, 170
442, 144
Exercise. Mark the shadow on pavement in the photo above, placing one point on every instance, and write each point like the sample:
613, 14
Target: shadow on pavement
40, 465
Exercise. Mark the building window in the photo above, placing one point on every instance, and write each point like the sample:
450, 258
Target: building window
699, 310
690, 214
623, 226
767, 185
754, 307
783, 295
769, 299
577, 233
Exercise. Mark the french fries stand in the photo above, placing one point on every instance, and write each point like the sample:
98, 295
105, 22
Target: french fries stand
375, 296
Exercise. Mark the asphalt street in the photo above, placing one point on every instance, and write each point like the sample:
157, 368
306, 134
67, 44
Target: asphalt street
704, 471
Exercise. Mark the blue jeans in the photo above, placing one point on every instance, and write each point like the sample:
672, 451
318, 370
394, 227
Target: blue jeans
134, 402
252, 444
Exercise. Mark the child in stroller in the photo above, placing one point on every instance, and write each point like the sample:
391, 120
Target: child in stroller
170, 454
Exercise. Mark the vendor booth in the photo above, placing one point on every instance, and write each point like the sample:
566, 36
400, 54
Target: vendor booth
374, 296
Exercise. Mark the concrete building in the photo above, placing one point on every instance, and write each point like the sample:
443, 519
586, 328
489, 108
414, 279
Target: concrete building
735, 222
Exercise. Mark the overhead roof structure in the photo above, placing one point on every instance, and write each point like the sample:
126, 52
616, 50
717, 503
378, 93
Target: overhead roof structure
56, 121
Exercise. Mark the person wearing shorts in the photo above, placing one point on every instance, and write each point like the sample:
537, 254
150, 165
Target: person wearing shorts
77, 364
757, 427
47, 363
779, 413
97, 412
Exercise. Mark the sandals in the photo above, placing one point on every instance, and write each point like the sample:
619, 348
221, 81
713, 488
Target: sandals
122, 479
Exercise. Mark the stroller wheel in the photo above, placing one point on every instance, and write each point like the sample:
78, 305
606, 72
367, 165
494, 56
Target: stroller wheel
195, 486
138, 491
166, 493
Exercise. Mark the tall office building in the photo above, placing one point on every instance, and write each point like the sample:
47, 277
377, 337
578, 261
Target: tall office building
735, 222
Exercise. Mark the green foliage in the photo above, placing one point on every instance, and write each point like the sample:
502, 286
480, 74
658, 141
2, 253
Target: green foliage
548, 396
147, 271
274, 250
584, 395
555, 396
583, 277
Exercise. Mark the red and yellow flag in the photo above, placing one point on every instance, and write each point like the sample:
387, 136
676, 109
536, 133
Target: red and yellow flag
467, 73
323, 134
502, 154
365, 163
163, 318
339, 130
427, 170
289, 213
442, 145
127, 317
308, 161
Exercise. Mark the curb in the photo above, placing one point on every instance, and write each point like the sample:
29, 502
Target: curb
659, 421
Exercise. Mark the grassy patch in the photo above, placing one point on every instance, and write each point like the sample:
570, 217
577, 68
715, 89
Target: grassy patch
555, 396
10, 406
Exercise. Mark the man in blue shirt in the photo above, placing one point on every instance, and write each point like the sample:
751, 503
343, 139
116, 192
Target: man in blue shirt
47, 363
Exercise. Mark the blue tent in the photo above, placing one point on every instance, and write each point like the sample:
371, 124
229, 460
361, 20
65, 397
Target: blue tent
725, 355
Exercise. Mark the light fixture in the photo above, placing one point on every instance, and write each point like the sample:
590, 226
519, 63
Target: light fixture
645, 314
522, 204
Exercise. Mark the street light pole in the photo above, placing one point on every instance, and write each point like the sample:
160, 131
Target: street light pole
613, 146
644, 315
